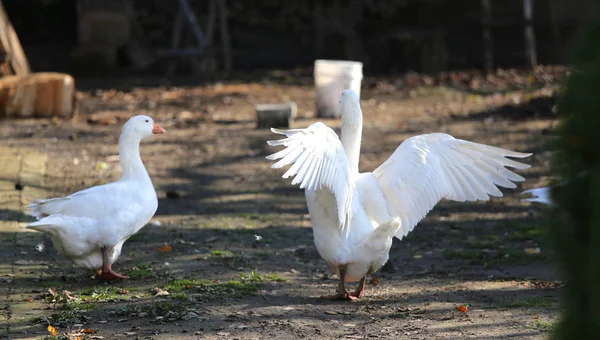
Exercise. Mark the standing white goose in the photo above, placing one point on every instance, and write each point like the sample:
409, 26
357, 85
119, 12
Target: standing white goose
90, 226
539, 195
355, 215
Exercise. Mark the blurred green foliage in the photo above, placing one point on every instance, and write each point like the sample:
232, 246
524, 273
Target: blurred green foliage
575, 220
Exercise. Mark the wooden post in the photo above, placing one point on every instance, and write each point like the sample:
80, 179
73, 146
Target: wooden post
530, 48
11, 46
488, 54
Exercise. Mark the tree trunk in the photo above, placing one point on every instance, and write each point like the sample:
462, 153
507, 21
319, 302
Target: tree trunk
530, 48
488, 55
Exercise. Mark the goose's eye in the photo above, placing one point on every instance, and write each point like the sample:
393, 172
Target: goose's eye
147, 120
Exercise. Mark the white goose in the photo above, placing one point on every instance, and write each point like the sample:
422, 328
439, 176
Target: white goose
90, 226
539, 195
355, 215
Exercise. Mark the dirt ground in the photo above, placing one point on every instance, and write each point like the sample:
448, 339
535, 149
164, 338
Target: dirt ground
230, 254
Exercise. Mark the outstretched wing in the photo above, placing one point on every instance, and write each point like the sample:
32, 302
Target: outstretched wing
426, 168
319, 161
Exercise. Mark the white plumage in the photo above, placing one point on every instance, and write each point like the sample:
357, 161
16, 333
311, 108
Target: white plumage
89, 227
356, 215
539, 195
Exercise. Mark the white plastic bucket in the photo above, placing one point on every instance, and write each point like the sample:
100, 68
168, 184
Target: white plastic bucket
331, 78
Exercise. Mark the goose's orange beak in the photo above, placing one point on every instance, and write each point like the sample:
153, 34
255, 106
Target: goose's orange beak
157, 129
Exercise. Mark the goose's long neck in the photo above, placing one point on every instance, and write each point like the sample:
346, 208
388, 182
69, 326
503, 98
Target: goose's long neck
351, 137
129, 155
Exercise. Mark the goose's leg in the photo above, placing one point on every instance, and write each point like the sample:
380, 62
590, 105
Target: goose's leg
360, 290
342, 294
107, 272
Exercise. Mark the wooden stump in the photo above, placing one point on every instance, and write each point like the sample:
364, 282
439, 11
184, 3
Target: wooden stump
275, 115
37, 95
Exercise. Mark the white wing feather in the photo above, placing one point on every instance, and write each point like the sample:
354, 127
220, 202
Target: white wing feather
426, 168
318, 161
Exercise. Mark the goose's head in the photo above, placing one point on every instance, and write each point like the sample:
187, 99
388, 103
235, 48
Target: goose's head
142, 126
350, 106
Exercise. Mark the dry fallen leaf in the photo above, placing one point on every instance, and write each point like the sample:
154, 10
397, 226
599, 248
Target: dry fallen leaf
52, 291
532, 251
68, 295
29, 299
165, 248
122, 291
462, 309
159, 292
88, 330
51, 330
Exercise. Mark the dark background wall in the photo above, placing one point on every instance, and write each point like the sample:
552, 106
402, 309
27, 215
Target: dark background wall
387, 35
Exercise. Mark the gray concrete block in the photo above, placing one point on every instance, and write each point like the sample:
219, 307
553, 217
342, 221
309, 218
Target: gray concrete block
275, 115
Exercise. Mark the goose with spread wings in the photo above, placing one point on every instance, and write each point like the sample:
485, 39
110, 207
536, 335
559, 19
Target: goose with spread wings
356, 215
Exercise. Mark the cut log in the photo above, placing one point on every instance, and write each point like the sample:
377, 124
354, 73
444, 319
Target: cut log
11, 48
37, 95
275, 115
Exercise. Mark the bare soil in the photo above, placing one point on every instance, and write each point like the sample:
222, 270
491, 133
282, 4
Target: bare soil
232, 243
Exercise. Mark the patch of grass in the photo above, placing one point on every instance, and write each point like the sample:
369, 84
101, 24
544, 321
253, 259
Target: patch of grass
76, 305
263, 255
250, 215
545, 326
462, 254
246, 285
180, 285
236, 289
260, 278
140, 274
167, 309
483, 244
180, 296
209, 290
526, 232
141, 271
222, 253
64, 317
53, 284
534, 302
98, 294
68, 314
485, 240
492, 238
144, 265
